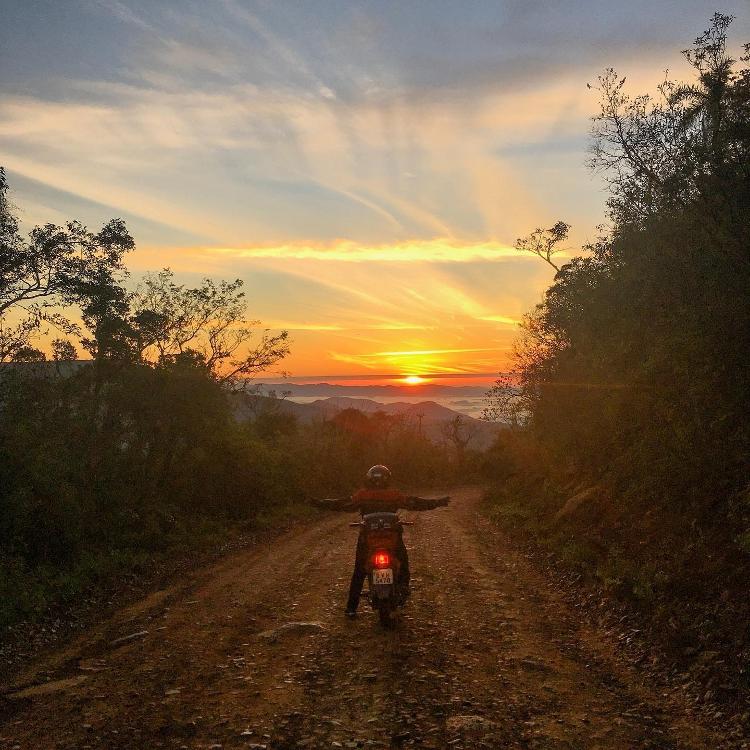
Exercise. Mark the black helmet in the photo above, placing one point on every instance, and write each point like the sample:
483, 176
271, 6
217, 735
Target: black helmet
378, 476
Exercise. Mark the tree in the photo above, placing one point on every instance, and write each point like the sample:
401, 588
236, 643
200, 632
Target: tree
660, 154
29, 354
63, 351
15, 338
704, 102
170, 319
545, 242
504, 402
458, 433
56, 267
57, 264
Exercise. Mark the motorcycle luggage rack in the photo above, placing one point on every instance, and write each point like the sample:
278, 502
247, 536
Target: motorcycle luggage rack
382, 520
358, 524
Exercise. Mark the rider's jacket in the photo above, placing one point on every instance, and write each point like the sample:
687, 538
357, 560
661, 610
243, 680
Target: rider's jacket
368, 500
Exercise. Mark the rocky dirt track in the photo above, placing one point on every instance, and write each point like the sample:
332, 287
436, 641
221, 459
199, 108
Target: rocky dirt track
486, 655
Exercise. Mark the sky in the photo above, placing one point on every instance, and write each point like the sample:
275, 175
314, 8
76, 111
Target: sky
364, 166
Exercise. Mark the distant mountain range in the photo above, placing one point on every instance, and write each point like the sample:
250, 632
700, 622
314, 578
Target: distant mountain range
431, 415
428, 410
373, 391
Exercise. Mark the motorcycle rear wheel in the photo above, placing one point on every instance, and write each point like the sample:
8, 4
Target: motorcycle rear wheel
387, 615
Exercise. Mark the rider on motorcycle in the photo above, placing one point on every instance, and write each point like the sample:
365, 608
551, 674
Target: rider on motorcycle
376, 497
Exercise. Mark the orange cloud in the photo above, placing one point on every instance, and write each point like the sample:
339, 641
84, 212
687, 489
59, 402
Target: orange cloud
434, 250
422, 352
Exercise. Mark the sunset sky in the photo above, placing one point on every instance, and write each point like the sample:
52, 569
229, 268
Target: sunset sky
364, 166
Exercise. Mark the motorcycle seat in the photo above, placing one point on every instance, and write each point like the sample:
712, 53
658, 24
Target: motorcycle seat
374, 521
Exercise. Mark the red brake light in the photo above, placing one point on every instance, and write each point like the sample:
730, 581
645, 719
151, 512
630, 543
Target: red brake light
382, 559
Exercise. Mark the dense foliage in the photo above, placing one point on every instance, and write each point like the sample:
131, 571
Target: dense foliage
633, 377
634, 368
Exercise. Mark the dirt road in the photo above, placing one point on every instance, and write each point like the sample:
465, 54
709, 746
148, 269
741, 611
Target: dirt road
487, 655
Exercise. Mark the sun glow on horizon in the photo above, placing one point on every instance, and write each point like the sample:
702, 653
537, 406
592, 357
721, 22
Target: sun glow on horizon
413, 380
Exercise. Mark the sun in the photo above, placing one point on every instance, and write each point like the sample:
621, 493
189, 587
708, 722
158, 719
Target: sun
413, 380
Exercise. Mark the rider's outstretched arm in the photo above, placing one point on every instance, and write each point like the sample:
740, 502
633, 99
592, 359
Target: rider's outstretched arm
425, 503
334, 503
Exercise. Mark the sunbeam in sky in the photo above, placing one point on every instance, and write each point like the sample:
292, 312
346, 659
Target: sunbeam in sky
364, 167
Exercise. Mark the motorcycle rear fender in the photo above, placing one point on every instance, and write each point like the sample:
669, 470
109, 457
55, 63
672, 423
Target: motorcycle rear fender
382, 591
387, 540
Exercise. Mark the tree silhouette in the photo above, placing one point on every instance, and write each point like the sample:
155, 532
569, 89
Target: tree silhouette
545, 242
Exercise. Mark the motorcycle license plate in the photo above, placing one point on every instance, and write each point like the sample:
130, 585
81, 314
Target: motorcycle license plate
384, 575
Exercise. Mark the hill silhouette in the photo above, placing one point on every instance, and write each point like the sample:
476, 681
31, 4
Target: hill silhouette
428, 416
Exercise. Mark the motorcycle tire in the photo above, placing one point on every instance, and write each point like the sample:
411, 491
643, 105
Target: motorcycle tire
387, 615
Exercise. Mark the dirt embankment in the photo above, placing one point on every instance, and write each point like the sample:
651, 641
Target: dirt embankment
487, 655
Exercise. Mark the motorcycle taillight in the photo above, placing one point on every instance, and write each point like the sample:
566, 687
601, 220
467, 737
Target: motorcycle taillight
381, 559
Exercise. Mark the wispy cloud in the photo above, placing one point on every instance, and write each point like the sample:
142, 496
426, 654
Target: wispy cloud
500, 319
418, 362
291, 325
276, 164
366, 179
124, 13
435, 250
425, 352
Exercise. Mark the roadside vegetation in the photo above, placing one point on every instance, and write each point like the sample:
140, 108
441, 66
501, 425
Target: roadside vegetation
139, 436
629, 449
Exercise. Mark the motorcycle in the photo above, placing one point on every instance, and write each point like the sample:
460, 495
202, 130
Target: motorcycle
382, 532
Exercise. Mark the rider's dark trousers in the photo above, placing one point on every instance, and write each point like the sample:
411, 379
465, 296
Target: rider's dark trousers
359, 575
